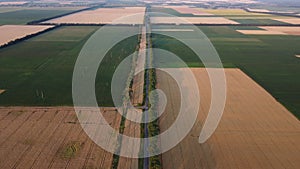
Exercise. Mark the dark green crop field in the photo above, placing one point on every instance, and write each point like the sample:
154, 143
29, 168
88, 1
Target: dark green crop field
39, 71
27, 15
169, 11
270, 60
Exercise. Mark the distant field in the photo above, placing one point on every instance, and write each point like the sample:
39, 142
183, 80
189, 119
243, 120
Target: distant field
11, 9
39, 71
25, 15
224, 12
259, 21
104, 16
188, 10
168, 11
279, 8
289, 20
13, 3
270, 60
8, 9
238, 15
228, 13
275, 30
191, 20
9, 33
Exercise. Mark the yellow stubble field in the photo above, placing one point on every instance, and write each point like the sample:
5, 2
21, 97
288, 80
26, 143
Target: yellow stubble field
255, 131
10, 33
50, 137
126, 15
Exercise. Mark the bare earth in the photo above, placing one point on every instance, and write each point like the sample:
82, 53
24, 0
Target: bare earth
284, 29
133, 15
273, 30
33, 137
255, 131
188, 10
191, 20
2, 91
289, 20
10, 33
261, 32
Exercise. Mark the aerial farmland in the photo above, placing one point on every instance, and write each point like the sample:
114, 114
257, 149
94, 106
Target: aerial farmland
149, 84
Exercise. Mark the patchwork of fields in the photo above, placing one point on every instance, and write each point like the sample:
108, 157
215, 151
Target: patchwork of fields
236, 16
262, 70
268, 59
191, 20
